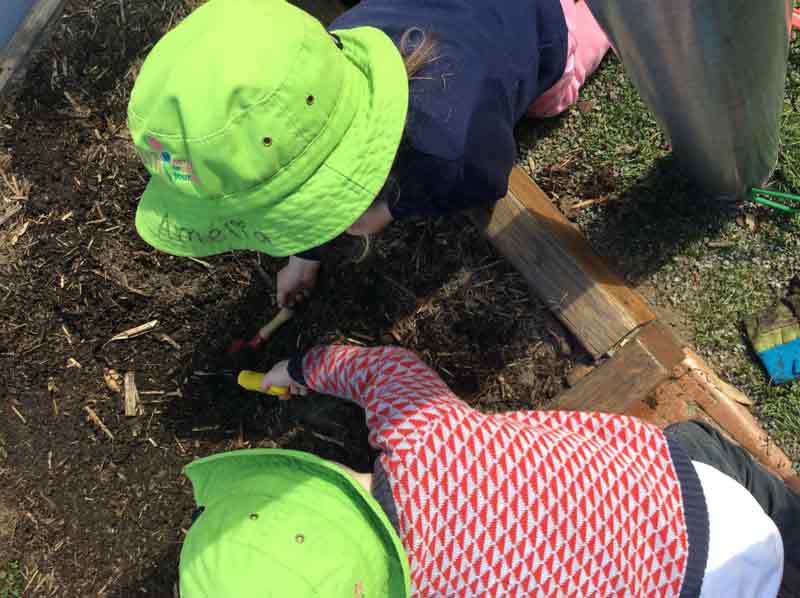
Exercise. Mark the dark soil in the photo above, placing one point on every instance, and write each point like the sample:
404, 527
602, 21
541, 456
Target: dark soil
96, 516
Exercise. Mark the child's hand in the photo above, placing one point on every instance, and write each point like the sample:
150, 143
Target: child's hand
375, 219
296, 280
279, 376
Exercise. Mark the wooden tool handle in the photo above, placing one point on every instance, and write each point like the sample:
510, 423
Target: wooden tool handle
283, 316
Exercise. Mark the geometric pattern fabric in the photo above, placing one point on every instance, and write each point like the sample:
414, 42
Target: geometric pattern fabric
535, 504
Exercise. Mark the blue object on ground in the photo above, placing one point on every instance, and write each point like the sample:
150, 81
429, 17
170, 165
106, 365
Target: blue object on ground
14, 11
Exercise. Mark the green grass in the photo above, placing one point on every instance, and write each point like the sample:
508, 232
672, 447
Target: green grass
10, 580
656, 228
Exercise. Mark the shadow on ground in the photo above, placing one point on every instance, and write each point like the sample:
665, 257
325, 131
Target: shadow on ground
656, 219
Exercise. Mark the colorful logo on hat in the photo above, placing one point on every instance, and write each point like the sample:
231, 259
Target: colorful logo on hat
160, 161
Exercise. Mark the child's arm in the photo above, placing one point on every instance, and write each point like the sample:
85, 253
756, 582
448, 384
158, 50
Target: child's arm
400, 394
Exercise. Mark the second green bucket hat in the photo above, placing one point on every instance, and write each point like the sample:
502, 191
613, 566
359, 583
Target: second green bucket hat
263, 131
287, 524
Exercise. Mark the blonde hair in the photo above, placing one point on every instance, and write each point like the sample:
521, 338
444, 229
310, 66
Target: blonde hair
418, 50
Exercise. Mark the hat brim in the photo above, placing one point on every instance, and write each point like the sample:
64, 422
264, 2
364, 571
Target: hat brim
262, 472
328, 202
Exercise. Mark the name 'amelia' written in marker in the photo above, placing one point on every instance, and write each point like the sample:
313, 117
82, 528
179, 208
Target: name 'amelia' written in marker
224, 231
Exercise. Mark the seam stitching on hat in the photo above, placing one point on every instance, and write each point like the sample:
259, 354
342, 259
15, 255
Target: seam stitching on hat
290, 163
283, 168
240, 115
289, 124
348, 179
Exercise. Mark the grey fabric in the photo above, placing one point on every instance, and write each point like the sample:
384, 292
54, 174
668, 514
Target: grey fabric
382, 492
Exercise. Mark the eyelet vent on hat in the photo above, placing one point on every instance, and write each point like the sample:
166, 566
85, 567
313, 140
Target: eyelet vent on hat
299, 538
253, 516
267, 141
309, 99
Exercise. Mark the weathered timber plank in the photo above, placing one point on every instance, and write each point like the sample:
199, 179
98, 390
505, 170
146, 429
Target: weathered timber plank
698, 383
561, 268
31, 32
653, 377
624, 383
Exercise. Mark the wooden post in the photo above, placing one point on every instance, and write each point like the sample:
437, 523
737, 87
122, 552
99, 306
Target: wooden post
626, 382
647, 372
561, 268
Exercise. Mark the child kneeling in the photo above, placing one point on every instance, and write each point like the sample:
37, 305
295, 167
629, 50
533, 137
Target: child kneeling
467, 504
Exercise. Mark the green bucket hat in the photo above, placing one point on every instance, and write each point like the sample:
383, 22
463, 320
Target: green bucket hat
285, 523
263, 131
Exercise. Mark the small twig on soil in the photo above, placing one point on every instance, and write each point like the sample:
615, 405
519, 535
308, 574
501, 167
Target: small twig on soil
112, 379
79, 110
328, 439
720, 244
201, 262
19, 415
30, 581
579, 205
95, 419
99, 210
169, 340
133, 332
363, 337
18, 190
121, 284
400, 287
132, 406
17, 234
7, 216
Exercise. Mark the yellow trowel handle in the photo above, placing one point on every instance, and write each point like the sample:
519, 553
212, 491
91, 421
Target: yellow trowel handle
252, 381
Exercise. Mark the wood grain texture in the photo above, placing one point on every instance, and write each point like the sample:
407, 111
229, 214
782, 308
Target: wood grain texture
32, 31
654, 378
622, 384
628, 382
562, 269
701, 385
